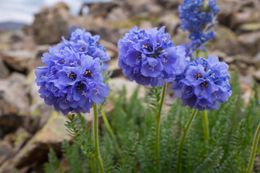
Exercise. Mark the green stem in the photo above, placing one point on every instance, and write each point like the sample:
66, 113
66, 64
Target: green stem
96, 139
92, 166
107, 124
253, 150
158, 127
110, 130
206, 126
183, 138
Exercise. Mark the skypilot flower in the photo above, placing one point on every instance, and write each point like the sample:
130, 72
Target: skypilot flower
149, 57
198, 17
204, 85
71, 79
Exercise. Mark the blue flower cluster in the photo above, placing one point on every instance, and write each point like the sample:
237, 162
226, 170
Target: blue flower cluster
71, 79
204, 85
149, 56
197, 17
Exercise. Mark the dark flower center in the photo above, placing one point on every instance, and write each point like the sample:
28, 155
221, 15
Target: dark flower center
148, 47
72, 75
80, 86
87, 74
82, 49
204, 84
62, 61
198, 75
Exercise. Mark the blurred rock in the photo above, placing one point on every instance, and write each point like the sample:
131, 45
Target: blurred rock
94, 8
18, 139
117, 84
227, 9
249, 27
169, 4
146, 24
144, 8
4, 72
6, 152
251, 41
257, 75
36, 150
169, 20
245, 14
51, 24
14, 95
227, 42
257, 60
117, 14
19, 60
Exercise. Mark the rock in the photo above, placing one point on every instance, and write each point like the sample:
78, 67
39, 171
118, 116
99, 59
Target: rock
249, 27
257, 75
6, 152
146, 24
14, 95
144, 8
246, 15
117, 14
227, 9
35, 152
9, 123
19, 60
227, 42
170, 20
15, 105
18, 138
94, 8
246, 83
51, 24
251, 41
169, 4
257, 60
112, 48
117, 84
4, 72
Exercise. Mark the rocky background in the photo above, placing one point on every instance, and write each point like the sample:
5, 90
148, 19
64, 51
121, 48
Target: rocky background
28, 128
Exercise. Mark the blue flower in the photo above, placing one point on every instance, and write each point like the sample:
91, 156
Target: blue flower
204, 85
197, 17
149, 56
71, 79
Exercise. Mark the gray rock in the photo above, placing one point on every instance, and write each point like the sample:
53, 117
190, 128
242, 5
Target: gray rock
36, 150
227, 42
170, 20
251, 41
4, 72
257, 75
19, 60
6, 152
51, 24
14, 97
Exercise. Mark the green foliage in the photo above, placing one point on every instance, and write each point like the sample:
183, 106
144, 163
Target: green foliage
231, 131
53, 165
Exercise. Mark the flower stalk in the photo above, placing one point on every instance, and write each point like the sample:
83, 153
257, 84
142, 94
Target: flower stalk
253, 150
206, 126
96, 139
110, 130
183, 138
158, 127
